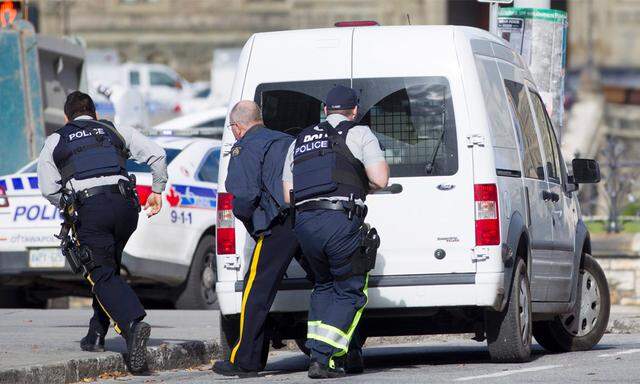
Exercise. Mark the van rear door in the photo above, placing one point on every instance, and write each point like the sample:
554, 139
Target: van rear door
413, 99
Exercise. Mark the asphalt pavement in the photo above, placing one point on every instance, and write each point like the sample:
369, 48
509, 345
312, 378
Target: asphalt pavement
615, 360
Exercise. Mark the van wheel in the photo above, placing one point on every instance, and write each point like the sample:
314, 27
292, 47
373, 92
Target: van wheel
509, 331
20, 298
199, 290
583, 328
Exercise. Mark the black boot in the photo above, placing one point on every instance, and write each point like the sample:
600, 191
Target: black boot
321, 371
93, 342
136, 335
354, 363
226, 368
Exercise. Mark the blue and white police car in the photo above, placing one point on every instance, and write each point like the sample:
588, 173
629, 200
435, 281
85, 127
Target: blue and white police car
171, 256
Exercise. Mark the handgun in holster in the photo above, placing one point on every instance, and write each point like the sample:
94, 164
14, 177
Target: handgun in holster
364, 259
128, 190
79, 257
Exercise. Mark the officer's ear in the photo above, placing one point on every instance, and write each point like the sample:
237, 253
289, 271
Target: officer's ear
326, 111
66, 119
355, 112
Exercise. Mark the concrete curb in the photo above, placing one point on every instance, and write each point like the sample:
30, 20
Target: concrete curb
163, 357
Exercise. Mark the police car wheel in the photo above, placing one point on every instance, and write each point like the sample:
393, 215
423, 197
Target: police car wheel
583, 328
199, 291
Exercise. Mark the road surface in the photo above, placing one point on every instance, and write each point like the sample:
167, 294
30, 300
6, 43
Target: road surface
615, 359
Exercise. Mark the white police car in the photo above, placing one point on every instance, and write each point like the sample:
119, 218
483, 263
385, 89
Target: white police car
169, 257
486, 236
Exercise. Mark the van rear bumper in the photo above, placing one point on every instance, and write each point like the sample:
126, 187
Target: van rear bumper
390, 291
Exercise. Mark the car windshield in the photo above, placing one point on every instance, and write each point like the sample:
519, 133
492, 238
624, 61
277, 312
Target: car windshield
412, 117
132, 166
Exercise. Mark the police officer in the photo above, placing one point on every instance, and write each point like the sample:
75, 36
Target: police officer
330, 169
255, 180
86, 159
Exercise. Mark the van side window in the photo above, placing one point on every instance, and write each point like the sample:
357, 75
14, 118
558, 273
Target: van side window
292, 106
414, 121
532, 158
546, 130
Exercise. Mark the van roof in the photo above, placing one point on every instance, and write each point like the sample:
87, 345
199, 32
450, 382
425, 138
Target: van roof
437, 31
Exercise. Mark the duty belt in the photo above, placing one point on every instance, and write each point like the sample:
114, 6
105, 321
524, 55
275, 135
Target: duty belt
349, 207
90, 192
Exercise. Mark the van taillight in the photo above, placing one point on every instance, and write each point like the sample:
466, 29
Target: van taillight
487, 220
143, 193
225, 227
4, 200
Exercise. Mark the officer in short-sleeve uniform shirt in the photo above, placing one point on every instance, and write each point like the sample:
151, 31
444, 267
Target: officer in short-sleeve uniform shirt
87, 157
331, 167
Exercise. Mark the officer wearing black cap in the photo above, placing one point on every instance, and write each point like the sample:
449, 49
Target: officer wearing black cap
329, 171
84, 162
255, 180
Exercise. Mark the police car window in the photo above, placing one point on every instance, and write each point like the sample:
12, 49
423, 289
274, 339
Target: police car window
211, 123
134, 78
413, 119
159, 78
33, 168
532, 157
132, 166
209, 169
546, 130
291, 106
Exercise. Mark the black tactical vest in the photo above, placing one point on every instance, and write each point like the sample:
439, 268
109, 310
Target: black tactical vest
323, 165
89, 148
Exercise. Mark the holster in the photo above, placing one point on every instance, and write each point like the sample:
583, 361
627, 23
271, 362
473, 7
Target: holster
79, 257
363, 259
128, 190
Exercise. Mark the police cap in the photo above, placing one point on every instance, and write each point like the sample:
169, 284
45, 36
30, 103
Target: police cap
341, 97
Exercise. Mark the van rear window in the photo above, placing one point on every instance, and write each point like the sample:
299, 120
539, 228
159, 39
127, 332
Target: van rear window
412, 117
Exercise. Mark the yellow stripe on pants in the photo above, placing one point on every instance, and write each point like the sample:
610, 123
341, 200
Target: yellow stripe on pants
115, 325
252, 276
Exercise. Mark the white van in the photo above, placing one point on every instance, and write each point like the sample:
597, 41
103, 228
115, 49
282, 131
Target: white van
486, 235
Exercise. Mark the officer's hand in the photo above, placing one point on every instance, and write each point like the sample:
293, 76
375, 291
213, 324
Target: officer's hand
154, 204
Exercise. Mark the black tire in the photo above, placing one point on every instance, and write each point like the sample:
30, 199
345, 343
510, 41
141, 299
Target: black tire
509, 331
560, 334
199, 291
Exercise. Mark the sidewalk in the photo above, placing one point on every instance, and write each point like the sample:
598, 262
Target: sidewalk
42, 346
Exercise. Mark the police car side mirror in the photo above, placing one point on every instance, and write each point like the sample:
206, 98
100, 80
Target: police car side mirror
390, 190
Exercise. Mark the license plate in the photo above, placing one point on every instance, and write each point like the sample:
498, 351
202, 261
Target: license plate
46, 258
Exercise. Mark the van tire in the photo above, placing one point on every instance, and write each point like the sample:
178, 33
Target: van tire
509, 331
554, 336
199, 290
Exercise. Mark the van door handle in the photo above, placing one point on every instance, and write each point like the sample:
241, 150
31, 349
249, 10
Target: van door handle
390, 190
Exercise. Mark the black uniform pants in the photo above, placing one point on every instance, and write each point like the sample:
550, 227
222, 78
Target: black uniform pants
105, 223
271, 257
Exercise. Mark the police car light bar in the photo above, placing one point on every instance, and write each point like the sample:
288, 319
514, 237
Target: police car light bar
357, 23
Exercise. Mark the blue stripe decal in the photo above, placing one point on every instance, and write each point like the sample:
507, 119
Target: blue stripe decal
33, 182
17, 183
197, 197
3, 184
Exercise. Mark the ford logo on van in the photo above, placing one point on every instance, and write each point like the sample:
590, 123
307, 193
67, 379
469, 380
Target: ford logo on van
446, 187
